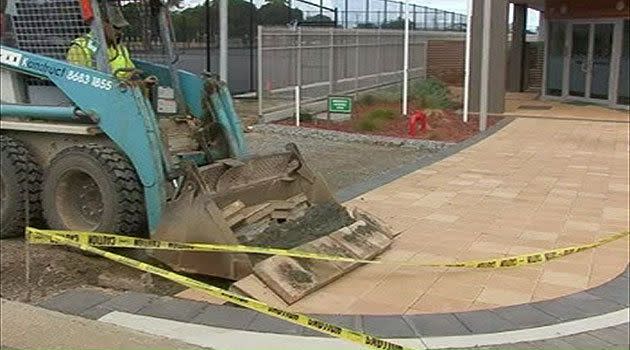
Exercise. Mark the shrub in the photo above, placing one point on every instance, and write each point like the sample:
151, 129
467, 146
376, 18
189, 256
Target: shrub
375, 120
366, 124
378, 97
306, 116
431, 94
367, 99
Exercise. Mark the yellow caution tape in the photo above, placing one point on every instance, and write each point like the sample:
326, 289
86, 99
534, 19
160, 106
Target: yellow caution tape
94, 239
289, 316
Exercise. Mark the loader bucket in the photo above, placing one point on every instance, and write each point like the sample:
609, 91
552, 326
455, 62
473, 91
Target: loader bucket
271, 200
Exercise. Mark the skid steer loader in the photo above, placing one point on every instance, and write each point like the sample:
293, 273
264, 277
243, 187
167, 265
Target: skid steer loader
153, 150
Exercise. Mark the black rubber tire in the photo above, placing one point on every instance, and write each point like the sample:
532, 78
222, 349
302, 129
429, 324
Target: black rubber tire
114, 180
21, 179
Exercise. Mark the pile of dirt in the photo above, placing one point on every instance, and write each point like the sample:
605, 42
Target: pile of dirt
446, 126
55, 269
318, 221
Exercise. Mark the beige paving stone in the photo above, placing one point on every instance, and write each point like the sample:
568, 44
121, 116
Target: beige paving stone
442, 217
581, 226
455, 290
616, 213
502, 296
545, 291
540, 236
435, 303
565, 279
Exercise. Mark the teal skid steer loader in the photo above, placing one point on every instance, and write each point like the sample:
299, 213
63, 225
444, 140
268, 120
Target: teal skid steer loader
151, 150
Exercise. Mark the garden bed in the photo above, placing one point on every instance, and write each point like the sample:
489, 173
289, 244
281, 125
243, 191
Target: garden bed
378, 113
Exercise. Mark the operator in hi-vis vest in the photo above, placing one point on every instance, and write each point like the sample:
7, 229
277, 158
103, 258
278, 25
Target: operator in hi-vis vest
82, 49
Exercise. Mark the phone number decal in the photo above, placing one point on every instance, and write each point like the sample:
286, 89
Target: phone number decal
87, 79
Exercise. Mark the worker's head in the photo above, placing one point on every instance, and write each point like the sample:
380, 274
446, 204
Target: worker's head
113, 24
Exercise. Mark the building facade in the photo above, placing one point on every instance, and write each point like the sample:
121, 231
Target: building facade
586, 51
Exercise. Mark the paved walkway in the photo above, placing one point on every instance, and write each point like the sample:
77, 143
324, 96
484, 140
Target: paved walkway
29, 327
537, 184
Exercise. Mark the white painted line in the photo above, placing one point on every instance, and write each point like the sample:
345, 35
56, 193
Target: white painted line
223, 338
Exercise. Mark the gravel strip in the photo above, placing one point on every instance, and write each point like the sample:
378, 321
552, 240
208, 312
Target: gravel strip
331, 135
341, 163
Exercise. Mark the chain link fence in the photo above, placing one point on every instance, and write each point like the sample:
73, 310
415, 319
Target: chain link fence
328, 61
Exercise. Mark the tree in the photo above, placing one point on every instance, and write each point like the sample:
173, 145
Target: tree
238, 19
276, 12
398, 23
318, 19
189, 24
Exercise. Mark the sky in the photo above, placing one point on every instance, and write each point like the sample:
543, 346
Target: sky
458, 6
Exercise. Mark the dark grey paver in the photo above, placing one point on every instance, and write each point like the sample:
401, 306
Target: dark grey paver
222, 316
615, 290
129, 301
173, 309
346, 321
591, 304
561, 310
525, 316
75, 301
269, 324
612, 335
484, 321
436, 325
387, 326
95, 312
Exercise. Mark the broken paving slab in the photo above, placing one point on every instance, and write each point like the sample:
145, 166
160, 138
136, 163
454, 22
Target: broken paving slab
292, 279
251, 286
363, 239
198, 295
328, 246
371, 219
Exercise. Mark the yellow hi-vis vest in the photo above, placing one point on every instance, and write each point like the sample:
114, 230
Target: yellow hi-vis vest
82, 49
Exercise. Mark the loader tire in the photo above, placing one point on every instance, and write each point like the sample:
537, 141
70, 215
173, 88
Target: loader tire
93, 188
20, 188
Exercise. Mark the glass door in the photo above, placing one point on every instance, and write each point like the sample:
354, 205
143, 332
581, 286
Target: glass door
590, 60
623, 88
600, 60
555, 58
579, 61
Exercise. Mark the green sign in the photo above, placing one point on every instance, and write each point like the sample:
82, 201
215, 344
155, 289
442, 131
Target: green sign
340, 104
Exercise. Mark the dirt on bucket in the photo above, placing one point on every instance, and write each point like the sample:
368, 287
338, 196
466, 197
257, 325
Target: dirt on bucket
318, 221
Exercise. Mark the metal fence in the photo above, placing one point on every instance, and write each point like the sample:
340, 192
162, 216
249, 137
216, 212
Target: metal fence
389, 14
328, 61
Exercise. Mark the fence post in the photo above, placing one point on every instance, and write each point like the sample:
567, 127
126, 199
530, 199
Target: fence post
260, 72
331, 61
385, 12
426, 18
345, 14
378, 56
298, 78
356, 61
414, 17
367, 11
208, 52
336, 17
